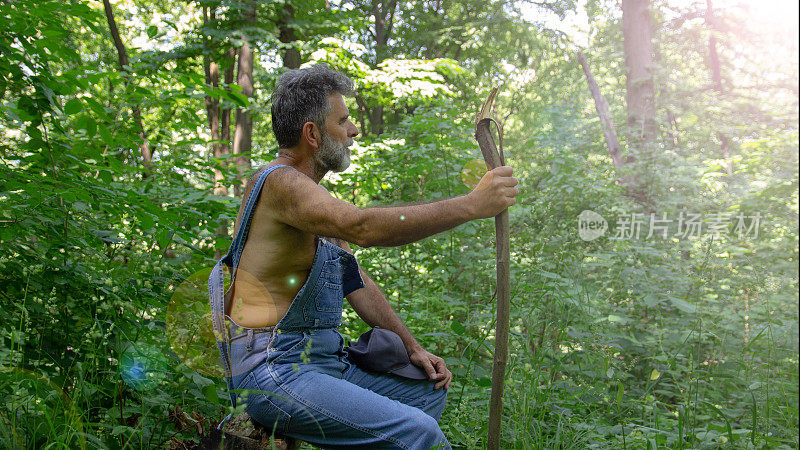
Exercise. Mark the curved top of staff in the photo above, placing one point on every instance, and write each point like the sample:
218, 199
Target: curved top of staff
493, 157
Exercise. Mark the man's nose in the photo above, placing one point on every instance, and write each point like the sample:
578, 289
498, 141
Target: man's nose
353, 131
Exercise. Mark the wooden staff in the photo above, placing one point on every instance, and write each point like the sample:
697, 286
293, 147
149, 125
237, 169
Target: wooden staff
494, 159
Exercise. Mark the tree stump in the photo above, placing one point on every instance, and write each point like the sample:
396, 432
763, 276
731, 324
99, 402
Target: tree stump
243, 433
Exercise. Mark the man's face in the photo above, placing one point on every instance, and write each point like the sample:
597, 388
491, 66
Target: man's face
337, 135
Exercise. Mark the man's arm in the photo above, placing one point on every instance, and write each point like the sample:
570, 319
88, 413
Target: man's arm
371, 305
301, 203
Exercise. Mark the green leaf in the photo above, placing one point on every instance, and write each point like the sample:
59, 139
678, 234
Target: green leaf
239, 99
713, 408
458, 328
147, 220
651, 300
152, 31
119, 429
88, 124
73, 106
483, 382
105, 175
210, 392
683, 305
618, 319
164, 237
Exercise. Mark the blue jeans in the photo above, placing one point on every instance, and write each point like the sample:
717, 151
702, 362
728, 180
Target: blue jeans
307, 389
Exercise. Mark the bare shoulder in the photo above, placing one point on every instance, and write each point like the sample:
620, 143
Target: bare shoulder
290, 182
296, 200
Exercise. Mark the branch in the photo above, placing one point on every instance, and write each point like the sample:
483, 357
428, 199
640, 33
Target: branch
112, 26
144, 147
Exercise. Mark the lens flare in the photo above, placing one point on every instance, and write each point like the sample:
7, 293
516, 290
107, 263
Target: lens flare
189, 325
189, 328
141, 366
472, 172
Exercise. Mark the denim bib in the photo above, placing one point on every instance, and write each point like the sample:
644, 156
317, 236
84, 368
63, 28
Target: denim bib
334, 274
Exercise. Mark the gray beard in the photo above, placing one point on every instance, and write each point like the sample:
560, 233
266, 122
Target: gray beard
331, 155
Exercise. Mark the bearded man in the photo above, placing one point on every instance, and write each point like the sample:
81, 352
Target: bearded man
291, 266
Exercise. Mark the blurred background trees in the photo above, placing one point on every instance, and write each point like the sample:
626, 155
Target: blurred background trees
128, 127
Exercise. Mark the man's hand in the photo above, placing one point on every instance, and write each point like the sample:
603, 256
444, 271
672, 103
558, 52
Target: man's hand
434, 366
495, 192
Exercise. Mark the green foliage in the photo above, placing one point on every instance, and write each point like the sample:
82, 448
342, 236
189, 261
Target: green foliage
648, 342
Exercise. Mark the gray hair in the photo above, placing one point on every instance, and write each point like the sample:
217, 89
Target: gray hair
301, 95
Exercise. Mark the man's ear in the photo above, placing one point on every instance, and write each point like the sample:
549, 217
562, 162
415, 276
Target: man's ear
311, 134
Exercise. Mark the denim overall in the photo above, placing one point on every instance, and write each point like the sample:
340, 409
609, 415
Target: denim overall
296, 378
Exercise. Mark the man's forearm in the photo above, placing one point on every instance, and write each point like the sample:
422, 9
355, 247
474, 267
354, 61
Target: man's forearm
371, 305
401, 225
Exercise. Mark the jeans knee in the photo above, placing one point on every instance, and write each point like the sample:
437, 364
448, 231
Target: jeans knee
428, 432
442, 397
436, 402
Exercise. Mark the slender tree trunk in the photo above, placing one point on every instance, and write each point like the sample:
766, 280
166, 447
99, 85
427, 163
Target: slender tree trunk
376, 120
609, 130
632, 186
361, 109
383, 14
144, 146
220, 182
242, 137
219, 124
211, 70
716, 80
225, 133
640, 97
291, 56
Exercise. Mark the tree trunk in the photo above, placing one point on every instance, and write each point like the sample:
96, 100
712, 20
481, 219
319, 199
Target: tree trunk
716, 82
211, 70
612, 141
291, 56
610, 132
640, 97
144, 146
376, 120
242, 137
225, 132
383, 14
220, 182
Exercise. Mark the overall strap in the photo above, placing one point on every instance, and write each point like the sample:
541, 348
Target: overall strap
216, 281
237, 246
